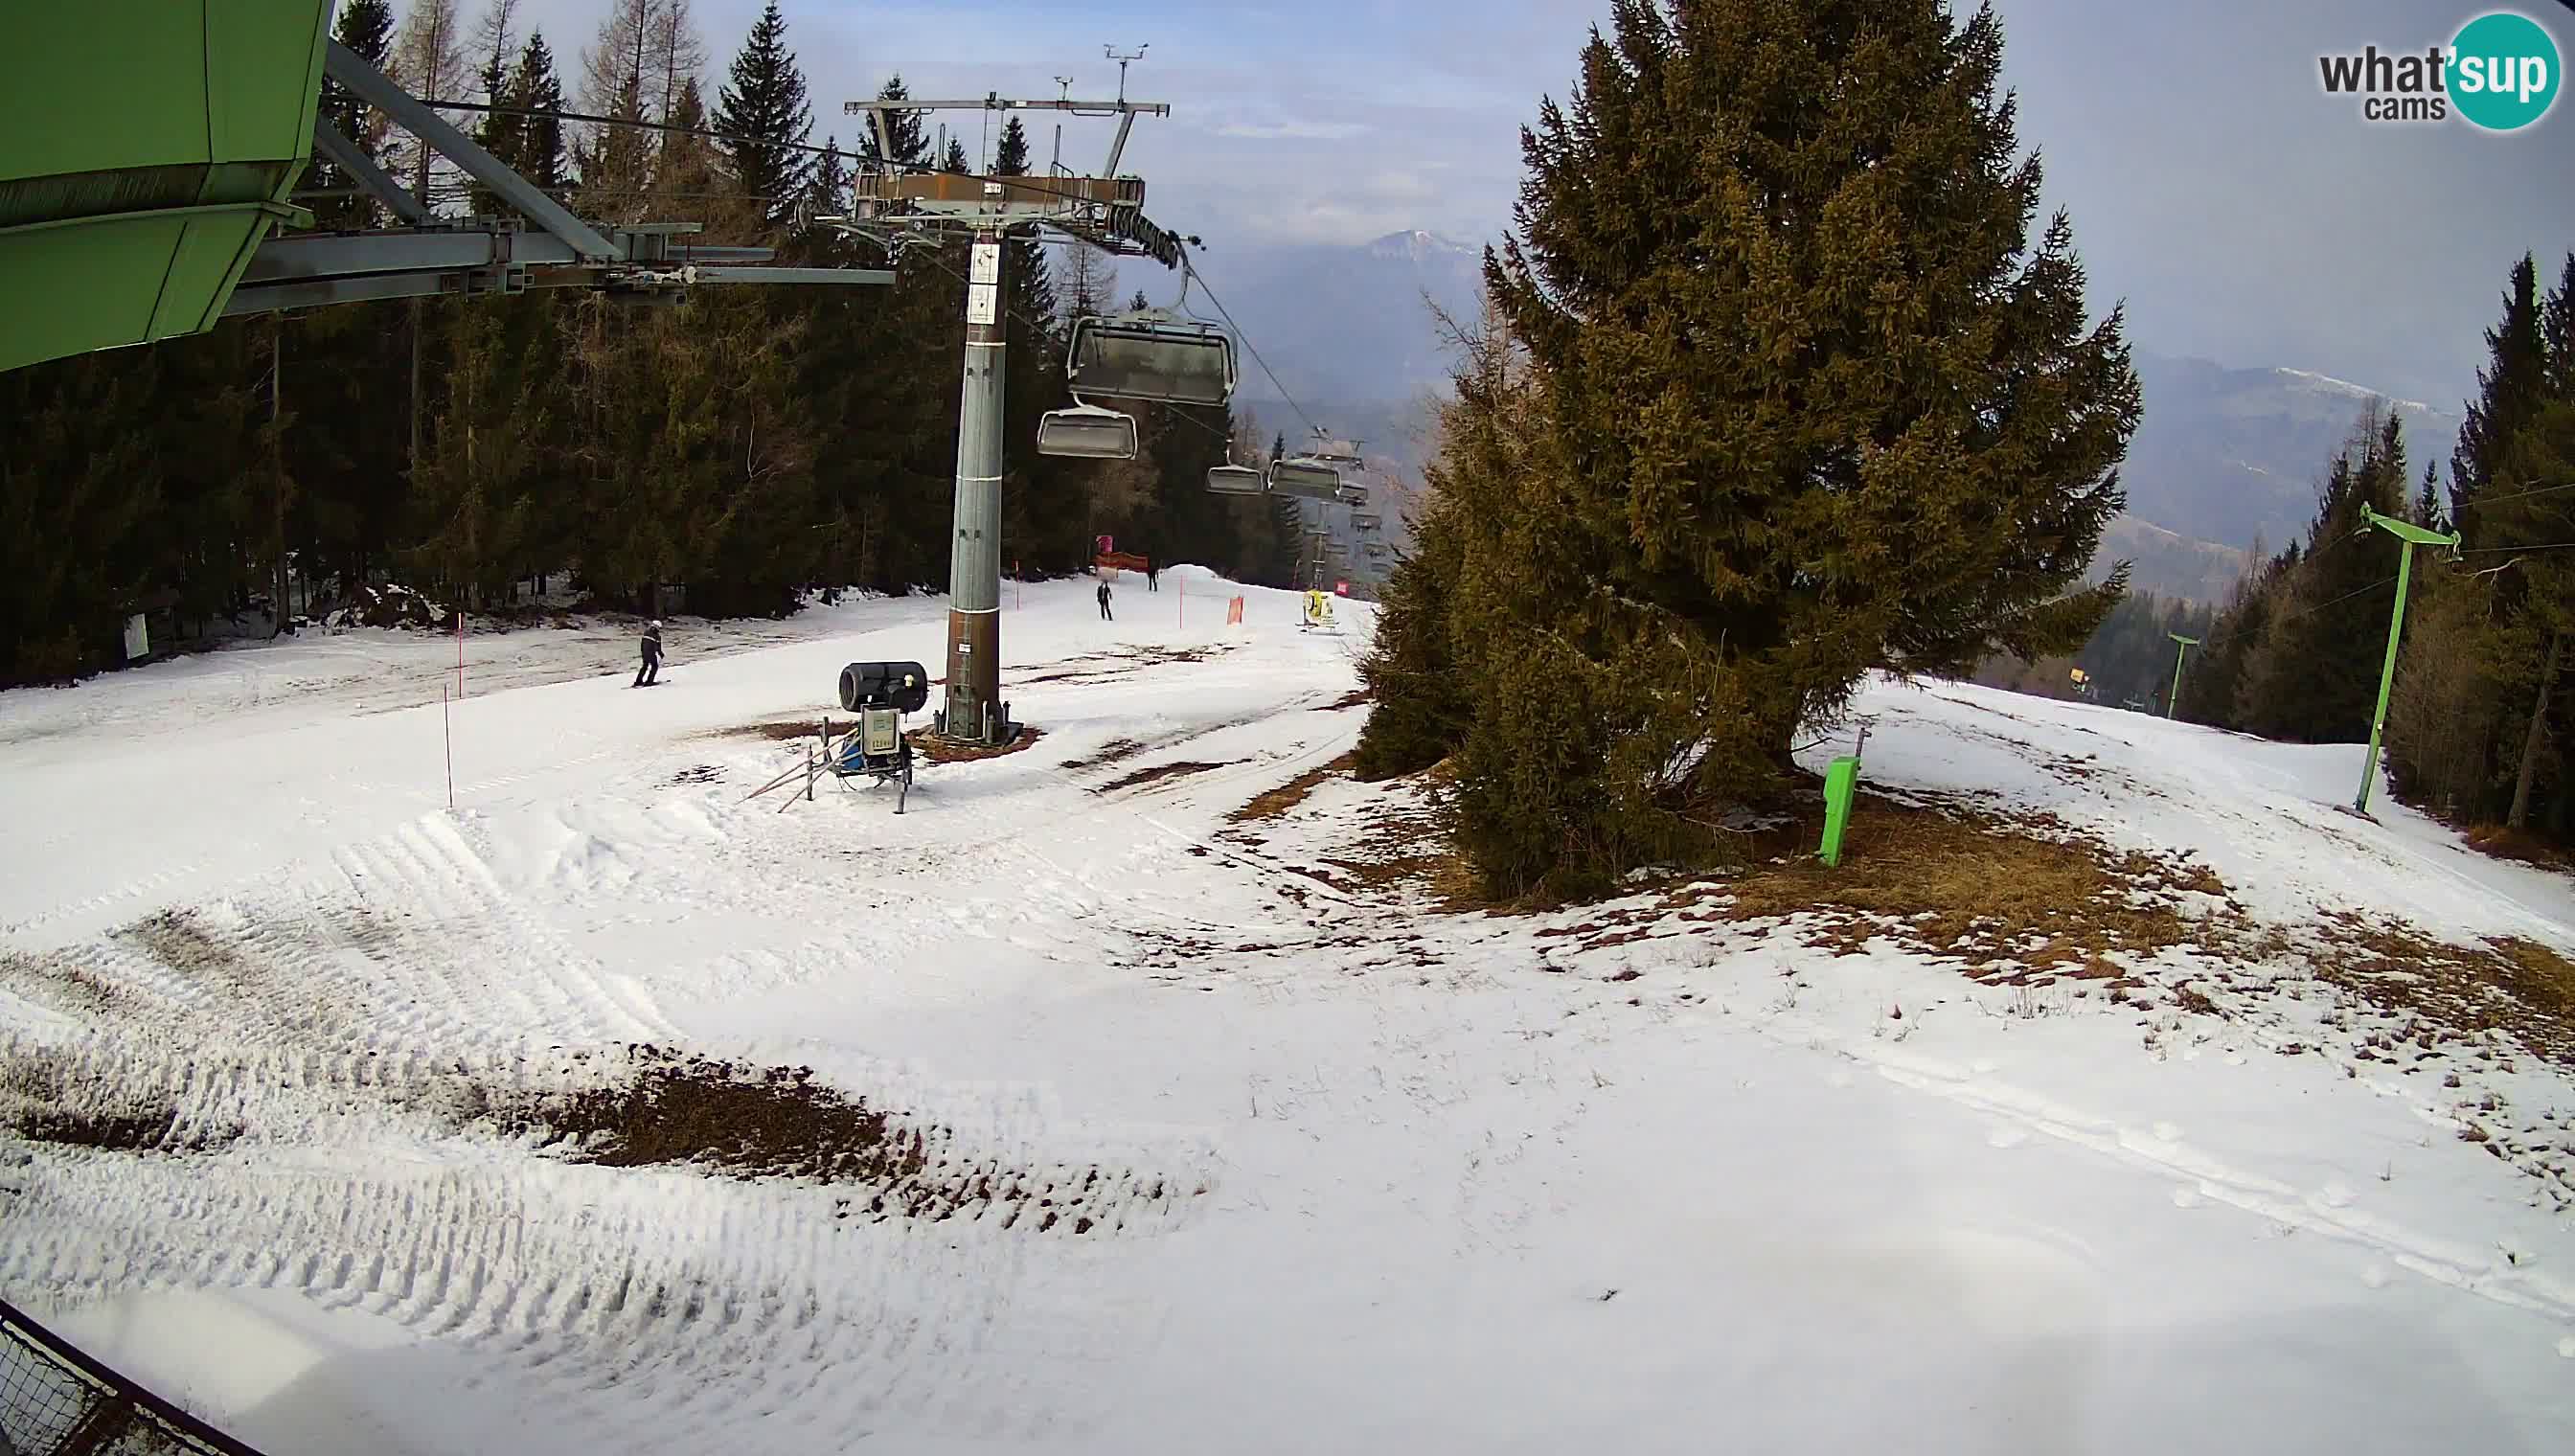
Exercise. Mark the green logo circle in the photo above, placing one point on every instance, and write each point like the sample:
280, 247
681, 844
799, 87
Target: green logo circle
2503, 71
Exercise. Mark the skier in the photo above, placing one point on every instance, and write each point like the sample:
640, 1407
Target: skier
1153, 576
646, 674
1104, 603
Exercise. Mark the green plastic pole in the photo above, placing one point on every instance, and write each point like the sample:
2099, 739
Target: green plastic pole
2173, 703
2386, 676
2413, 535
1841, 781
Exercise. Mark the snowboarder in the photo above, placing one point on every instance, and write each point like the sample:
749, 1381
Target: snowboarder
649, 674
1153, 574
1104, 603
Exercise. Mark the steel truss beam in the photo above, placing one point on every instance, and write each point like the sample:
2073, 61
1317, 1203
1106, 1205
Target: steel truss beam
432, 257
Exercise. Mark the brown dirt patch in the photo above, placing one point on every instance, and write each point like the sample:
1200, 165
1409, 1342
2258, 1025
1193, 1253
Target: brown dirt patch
2504, 842
661, 1108
51, 1098
749, 1122
1277, 801
778, 730
1107, 753
1160, 772
939, 750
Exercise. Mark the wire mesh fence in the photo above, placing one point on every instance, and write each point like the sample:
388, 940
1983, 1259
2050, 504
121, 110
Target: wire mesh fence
57, 1401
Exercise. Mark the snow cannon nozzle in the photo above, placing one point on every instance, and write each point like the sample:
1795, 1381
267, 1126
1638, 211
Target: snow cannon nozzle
903, 687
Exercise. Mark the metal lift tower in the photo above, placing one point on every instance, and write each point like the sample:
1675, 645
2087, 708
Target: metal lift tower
1104, 211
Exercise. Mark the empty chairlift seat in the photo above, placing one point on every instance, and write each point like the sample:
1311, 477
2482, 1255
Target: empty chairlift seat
1306, 478
1087, 431
1152, 356
1368, 522
1235, 480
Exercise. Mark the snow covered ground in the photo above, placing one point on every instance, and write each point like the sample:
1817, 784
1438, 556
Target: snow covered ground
1216, 1144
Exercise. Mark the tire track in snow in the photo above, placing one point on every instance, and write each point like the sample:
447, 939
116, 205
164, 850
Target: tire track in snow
2450, 1264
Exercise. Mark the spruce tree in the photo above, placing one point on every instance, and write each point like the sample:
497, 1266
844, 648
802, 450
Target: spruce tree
1817, 403
2312, 675
765, 119
906, 141
535, 88
2509, 389
955, 161
365, 27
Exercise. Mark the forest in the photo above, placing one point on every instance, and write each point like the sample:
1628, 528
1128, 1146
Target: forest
749, 446
2479, 707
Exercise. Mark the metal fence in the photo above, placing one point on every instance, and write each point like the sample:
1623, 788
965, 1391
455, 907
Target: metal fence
57, 1401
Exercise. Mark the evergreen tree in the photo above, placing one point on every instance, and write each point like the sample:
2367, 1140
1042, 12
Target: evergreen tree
535, 87
906, 141
765, 119
2427, 500
955, 161
1815, 403
2509, 389
365, 27
2312, 674
496, 131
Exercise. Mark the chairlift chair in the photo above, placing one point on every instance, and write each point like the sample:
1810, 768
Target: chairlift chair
1305, 477
1235, 480
1153, 355
1368, 521
1352, 494
1087, 431
1377, 551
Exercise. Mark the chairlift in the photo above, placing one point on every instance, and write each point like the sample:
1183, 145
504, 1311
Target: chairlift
1087, 431
1377, 551
1235, 480
1305, 477
1352, 494
1153, 355
1368, 521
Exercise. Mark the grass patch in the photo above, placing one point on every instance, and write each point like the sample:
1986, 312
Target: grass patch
2507, 985
1275, 802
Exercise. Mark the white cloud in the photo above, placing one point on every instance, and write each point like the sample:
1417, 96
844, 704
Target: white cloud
1320, 131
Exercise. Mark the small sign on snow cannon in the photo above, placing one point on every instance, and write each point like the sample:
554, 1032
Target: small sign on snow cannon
902, 687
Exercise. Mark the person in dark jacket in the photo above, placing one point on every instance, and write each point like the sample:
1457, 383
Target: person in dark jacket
1103, 603
650, 672
1153, 574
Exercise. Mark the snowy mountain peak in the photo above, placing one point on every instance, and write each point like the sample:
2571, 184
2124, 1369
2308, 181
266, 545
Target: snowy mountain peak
2327, 383
1418, 245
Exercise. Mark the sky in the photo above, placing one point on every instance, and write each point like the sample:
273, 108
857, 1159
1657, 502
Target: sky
2239, 213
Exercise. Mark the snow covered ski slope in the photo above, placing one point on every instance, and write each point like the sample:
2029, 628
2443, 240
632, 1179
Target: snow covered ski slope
1134, 1092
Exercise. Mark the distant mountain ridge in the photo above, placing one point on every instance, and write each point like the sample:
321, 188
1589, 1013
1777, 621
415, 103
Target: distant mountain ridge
2224, 458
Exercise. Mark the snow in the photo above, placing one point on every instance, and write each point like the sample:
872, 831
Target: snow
2331, 385
1371, 1176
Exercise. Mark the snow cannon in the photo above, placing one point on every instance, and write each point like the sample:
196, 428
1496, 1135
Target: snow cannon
902, 687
